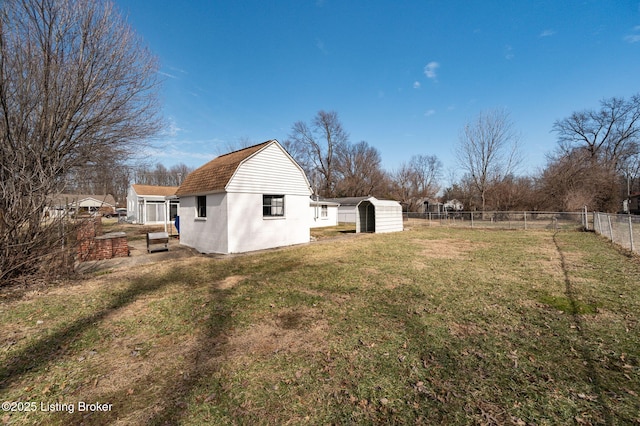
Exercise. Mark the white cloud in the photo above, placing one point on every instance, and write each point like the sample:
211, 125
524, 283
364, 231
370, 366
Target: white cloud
167, 75
429, 112
172, 129
633, 38
430, 70
321, 47
508, 52
416, 84
547, 33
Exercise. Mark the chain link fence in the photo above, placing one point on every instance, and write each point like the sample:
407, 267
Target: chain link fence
554, 221
622, 229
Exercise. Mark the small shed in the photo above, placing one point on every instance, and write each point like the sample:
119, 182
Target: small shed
379, 216
323, 213
252, 199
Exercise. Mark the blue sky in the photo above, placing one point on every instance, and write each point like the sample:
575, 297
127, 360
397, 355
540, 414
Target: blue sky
404, 76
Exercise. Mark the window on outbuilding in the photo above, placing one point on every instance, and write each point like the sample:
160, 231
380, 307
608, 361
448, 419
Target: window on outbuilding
201, 206
272, 205
324, 211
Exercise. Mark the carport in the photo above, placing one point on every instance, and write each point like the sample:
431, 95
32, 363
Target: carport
378, 216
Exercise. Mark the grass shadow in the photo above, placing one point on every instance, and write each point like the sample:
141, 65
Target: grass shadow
51, 347
576, 309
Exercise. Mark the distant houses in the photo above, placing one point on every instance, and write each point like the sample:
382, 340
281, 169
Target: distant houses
72, 204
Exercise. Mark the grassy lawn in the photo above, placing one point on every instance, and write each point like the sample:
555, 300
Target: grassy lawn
430, 326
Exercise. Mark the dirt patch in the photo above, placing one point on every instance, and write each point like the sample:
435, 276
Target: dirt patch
229, 282
291, 331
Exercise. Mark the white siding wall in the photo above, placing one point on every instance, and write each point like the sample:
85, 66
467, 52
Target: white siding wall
271, 171
205, 235
249, 230
389, 219
132, 205
347, 214
235, 223
317, 221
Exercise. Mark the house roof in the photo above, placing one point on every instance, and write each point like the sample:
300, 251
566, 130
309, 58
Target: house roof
161, 191
215, 175
323, 201
72, 199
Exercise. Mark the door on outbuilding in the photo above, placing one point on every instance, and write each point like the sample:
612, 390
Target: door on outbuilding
366, 217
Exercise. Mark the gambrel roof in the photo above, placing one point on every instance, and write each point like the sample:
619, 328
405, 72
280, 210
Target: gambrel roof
216, 174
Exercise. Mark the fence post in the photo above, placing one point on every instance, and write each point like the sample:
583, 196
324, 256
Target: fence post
610, 228
525, 220
586, 218
631, 233
472, 219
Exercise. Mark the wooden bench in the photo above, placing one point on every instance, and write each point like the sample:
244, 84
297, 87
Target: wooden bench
157, 239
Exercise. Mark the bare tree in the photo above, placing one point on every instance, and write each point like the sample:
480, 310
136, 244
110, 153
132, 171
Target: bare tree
488, 150
77, 86
159, 174
417, 180
315, 146
359, 169
610, 136
605, 145
402, 186
427, 171
572, 181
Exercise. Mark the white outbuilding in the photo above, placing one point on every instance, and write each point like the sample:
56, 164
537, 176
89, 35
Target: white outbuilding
373, 215
152, 204
252, 199
323, 213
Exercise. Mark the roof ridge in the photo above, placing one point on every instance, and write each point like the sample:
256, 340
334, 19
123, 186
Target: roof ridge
246, 147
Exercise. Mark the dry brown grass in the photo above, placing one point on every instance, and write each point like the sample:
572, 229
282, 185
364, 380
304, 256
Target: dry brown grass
431, 326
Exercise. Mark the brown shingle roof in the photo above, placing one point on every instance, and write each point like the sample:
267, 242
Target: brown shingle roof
215, 175
162, 191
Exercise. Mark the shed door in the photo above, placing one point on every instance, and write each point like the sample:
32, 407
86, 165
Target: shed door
367, 214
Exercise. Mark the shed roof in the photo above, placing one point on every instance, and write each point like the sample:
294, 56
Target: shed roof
215, 175
154, 190
381, 203
349, 201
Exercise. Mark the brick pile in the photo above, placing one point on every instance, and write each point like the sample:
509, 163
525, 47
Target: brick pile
93, 245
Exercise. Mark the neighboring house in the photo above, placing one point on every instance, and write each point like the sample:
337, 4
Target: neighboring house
453, 206
151, 204
632, 204
252, 199
430, 206
63, 204
323, 213
373, 215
